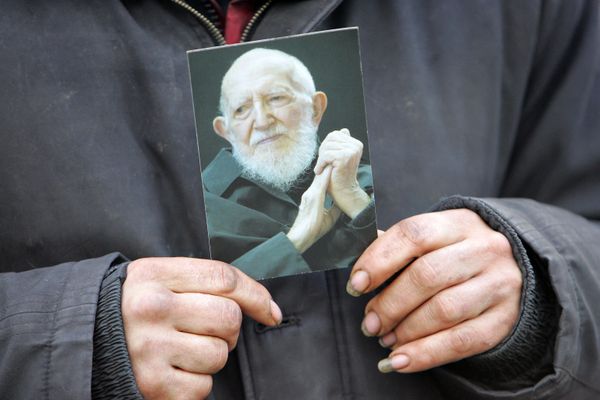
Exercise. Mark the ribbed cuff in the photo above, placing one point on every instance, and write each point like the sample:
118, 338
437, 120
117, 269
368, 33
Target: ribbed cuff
112, 375
524, 357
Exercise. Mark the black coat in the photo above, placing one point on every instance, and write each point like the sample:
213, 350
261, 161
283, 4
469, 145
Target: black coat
98, 155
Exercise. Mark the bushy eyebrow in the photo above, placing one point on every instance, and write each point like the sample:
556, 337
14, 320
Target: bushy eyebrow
279, 89
239, 99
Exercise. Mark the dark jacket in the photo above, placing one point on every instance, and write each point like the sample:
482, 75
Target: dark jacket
98, 155
248, 221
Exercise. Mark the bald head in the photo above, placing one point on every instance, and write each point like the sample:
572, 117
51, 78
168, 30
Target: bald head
259, 62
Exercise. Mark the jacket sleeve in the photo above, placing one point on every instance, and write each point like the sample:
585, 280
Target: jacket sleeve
551, 200
46, 329
338, 249
274, 257
565, 248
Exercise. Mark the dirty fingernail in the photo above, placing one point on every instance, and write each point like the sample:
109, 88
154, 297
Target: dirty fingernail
276, 312
371, 324
392, 364
358, 283
388, 340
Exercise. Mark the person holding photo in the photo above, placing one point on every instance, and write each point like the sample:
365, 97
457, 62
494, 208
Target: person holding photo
491, 294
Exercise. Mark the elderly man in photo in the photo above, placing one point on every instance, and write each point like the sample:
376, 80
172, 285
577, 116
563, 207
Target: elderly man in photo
278, 203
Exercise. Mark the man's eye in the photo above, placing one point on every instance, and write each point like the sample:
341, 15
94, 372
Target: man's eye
279, 100
241, 111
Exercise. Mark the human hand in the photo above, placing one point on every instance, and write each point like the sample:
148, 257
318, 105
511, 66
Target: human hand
343, 153
181, 317
313, 219
458, 294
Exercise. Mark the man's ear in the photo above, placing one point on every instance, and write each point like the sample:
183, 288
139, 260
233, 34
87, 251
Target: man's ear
319, 106
219, 125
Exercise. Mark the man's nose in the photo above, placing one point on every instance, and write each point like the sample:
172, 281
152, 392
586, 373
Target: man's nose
262, 116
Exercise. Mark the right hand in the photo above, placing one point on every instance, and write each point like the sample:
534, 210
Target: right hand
313, 219
182, 316
343, 152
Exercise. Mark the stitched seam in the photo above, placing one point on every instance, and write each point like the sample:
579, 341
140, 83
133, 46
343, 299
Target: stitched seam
582, 383
340, 340
245, 370
44, 312
50, 342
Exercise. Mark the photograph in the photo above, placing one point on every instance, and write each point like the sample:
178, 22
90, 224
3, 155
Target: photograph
300, 199
282, 134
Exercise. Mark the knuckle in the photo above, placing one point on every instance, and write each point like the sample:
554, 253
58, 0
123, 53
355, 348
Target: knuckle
218, 356
424, 274
499, 244
507, 321
466, 218
425, 356
447, 310
387, 308
513, 279
462, 340
506, 280
231, 316
414, 232
142, 269
150, 383
224, 278
469, 215
147, 346
407, 332
205, 384
152, 305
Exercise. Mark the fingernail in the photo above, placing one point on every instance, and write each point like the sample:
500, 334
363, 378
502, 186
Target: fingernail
358, 283
371, 324
276, 313
388, 340
393, 364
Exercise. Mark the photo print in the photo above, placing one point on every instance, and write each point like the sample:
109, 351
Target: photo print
282, 137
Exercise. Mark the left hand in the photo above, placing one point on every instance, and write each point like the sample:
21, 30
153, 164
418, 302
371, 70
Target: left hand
343, 153
458, 294
313, 219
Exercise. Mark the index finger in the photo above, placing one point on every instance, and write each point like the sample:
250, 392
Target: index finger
192, 275
321, 181
401, 244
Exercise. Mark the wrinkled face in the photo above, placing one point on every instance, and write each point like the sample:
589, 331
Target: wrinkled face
270, 122
264, 110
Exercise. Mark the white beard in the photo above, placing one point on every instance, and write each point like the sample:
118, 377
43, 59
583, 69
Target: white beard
277, 168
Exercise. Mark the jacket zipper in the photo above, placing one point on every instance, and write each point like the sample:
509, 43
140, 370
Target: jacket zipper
214, 32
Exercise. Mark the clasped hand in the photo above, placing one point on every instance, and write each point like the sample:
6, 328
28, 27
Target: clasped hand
335, 173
